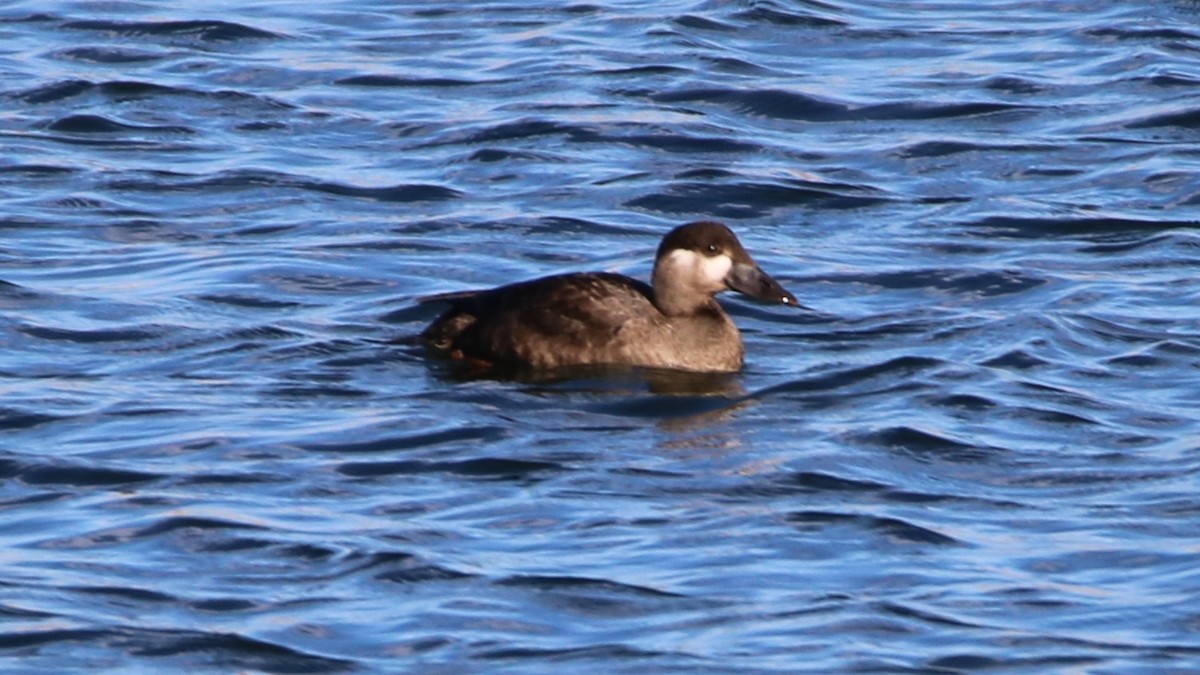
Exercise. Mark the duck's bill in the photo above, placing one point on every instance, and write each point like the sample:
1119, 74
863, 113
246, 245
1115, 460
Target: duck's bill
752, 281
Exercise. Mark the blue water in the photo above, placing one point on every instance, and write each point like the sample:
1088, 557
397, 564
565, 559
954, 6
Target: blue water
979, 451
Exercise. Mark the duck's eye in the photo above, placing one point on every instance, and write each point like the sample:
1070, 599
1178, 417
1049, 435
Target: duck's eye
712, 248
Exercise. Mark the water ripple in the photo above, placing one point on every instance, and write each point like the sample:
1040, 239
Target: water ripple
202, 30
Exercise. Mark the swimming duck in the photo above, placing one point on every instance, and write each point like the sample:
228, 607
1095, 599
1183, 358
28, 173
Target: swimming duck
606, 318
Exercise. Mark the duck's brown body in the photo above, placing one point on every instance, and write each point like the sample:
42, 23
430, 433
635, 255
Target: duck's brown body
605, 318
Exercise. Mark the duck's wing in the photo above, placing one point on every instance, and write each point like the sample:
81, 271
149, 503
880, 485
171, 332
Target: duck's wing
552, 321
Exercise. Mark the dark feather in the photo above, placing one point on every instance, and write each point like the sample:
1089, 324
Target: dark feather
535, 322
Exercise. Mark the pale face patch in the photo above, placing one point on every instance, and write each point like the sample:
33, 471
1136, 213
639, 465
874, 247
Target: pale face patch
705, 272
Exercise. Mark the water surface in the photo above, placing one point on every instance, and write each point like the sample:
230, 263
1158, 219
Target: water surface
979, 451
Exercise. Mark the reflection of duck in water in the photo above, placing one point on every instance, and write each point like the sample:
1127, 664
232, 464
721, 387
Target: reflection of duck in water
605, 318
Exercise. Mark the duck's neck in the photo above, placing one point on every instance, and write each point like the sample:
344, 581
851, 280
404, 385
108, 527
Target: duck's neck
674, 298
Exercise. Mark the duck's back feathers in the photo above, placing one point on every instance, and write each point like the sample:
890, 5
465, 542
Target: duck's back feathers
544, 323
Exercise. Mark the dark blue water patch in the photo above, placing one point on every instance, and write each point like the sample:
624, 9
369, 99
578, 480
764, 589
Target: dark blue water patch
227, 650
236, 544
702, 23
307, 392
191, 525
480, 434
1121, 332
231, 478
169, 181
562, 224
1009, 84
972, 662
790, 105
409, 569
937, 149
83, 203
405, 82
707, 173
571, 583
596, 597
905, 611
124, 594
116, 90
641, 71
490, 468
1016, 359
26, 641
887, 375
927, 149
1184, 119
807, 15
108, 55
1097, 229
258, 335
118, 141
38, 170
665, 140
392, 193
31, 18
890, 528
1172, 79
506, 155
936, 111
678, 405
519, 130
14, 295
808, 484
960, 281
929, 445
225, 605
211, 31
1050, 172
57, 91
1068, 398
1164, 354
672, 142
99, 336
605, 656
834, 388
262, 126
314, 349
98, 124
816, 481
228, 102
772, 103
1140, 34
742, 200
1164, 239
972, 403
249, 302
10, 612
936, 499
80, 475
1054, 417
421, 575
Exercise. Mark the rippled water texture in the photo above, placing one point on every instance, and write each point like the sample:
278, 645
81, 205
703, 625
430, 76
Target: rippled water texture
980, 450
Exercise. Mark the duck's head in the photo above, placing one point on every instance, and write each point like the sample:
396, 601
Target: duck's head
698, 260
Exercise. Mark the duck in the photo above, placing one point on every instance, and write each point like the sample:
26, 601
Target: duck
609, 319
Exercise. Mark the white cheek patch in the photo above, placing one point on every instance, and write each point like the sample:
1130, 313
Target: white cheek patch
681, 262
706, 271
716, 268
